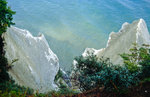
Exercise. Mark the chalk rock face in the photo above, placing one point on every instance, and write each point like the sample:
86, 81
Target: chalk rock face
35, 64
123, 40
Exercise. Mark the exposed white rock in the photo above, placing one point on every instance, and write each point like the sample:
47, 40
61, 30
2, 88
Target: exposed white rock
37, 65
90, 50
123, 40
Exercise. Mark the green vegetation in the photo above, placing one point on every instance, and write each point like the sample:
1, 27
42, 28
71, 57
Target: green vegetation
8, 88
138, 60
59, 75
5, 16
5, 21
7, 85
137, 56
3, 68
63, 91
92, 72
13, 90
95, 73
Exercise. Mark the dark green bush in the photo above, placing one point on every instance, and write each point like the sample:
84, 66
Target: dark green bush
145, 62
5, 21
7, 85
92, 72
3, 69
5, 16
11, 86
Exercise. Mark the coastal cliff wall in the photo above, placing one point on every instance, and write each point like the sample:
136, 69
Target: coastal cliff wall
122, 41
34, 64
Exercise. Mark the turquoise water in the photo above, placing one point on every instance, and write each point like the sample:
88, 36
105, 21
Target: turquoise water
72, 25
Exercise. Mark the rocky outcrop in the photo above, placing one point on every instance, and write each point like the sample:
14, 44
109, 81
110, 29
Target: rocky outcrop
123, 40
34, 63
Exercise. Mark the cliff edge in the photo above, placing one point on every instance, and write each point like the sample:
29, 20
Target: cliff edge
34, 63
122, 41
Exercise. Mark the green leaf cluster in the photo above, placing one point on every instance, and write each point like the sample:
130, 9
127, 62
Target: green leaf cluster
5, 16
138, 60
3, 69
58, 75
5, 21
93, 72
63, 91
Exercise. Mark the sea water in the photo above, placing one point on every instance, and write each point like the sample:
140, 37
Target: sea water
70, 26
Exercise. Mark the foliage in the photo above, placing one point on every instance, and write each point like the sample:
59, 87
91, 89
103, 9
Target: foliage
25, 92
138, 60
12, 94
11, 86
5, 16
14, 90
145, 61
3, 69
58, 75
146, 80
63, 87
63, 91
93, 72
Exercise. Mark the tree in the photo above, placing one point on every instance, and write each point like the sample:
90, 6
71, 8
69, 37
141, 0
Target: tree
92, 72
6, 83
138, 60
5, 16
5, 21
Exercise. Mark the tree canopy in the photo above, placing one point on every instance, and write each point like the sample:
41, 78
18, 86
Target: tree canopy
5, 21
5, 16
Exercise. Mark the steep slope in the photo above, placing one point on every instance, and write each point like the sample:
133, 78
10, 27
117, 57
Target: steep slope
34, 63
123, 40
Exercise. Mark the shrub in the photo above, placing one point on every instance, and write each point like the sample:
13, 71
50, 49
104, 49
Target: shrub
7, 85
145, 61
138, 60
3, 69
93, 72
63, 91
5, 21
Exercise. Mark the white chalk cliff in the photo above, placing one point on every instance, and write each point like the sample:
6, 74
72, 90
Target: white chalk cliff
123, 40
36, 65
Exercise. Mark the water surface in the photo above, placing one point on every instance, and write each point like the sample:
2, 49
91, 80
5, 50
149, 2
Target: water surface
72, 25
